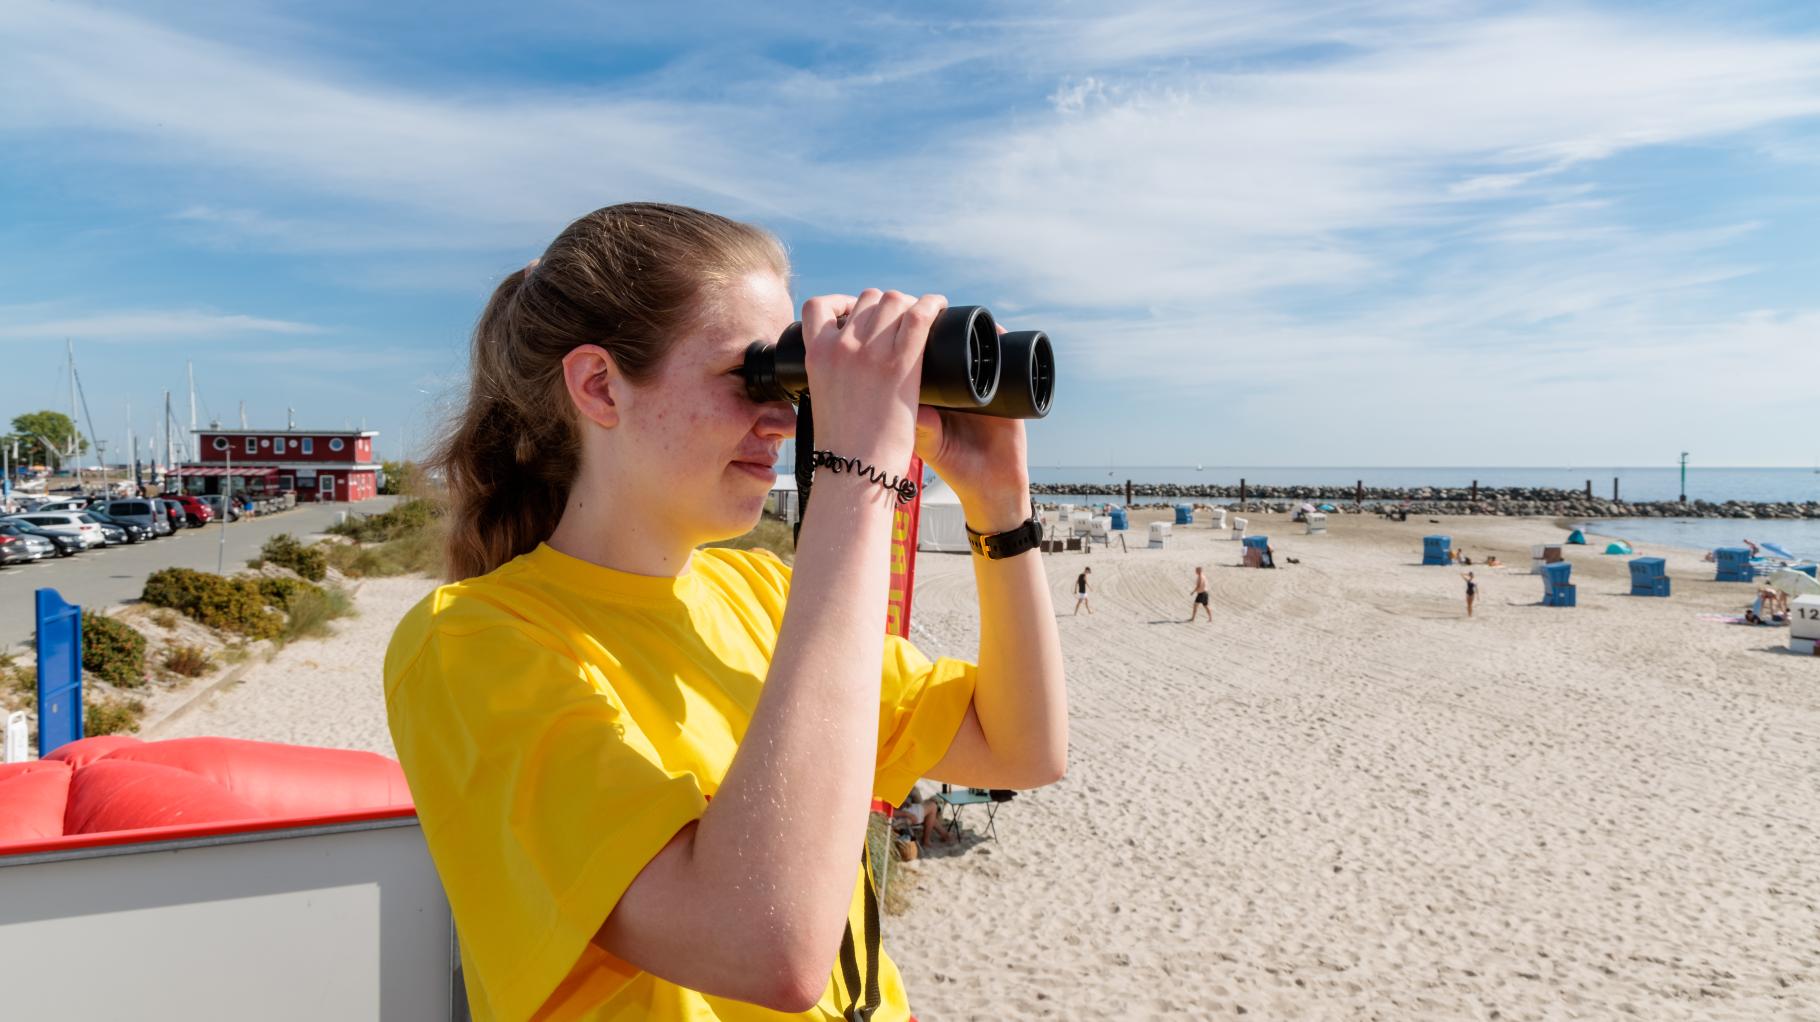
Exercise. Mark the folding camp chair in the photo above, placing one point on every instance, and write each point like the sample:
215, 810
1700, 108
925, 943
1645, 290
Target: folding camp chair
952, 802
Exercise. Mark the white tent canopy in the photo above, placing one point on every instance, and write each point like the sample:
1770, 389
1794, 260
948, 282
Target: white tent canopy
941, 526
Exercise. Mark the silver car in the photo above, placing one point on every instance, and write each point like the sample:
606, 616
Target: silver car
142, 511
18, 547
68, 523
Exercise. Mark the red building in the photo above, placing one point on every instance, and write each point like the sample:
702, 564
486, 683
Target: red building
321, 464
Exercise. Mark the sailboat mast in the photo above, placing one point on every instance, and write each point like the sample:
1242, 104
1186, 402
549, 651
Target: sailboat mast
192, 369
70, 346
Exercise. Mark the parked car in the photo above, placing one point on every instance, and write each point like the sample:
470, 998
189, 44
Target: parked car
195, 511
140, 511
173, 511
219, 506
135, 531
58, 543
111, 534
68, 523
20, 547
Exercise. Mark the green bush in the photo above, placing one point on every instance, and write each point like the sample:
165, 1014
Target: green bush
107, 716
409, 517
310, 612
231, 604
281, 592
412, 553
284, 551
189, 661
113, 650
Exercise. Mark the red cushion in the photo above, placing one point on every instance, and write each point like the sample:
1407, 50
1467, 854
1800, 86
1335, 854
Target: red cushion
32, 796
281, 780
83, 751
113, 795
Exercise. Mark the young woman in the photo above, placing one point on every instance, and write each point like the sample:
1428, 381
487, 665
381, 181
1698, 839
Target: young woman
1472, 591
643, 770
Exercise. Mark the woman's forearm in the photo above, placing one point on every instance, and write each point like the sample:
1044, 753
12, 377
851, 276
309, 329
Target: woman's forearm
1020, 699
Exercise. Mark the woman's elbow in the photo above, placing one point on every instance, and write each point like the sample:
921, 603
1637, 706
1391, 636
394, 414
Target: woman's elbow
794, 983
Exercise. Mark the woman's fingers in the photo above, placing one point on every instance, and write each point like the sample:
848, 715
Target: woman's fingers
825, 313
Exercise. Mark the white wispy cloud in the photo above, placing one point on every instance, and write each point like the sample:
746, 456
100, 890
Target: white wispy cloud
1328, 199
146, 324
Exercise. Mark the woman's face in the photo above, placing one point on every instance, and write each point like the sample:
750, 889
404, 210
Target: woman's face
700, 450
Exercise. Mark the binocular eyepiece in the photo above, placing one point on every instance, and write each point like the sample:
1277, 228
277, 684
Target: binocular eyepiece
967, 367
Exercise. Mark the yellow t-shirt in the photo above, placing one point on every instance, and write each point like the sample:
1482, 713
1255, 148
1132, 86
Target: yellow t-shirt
559, 722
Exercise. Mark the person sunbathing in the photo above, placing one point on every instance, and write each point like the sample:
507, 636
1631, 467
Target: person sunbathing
1493, 562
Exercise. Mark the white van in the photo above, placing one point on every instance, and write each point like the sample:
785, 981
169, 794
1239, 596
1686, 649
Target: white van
68, 523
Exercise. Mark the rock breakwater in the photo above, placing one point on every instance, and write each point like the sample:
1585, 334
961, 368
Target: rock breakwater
1436, 500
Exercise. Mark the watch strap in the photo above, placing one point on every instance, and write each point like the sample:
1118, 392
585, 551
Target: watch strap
1009, 543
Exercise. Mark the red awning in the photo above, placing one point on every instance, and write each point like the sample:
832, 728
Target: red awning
238, 473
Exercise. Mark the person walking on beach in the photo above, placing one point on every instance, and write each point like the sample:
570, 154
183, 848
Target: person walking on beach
643, 770
1200, 595
1472, 592
1080, 593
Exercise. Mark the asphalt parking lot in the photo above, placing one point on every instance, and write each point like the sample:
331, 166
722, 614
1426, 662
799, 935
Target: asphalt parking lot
107, 575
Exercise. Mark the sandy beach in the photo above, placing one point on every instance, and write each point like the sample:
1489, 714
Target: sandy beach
1341, 799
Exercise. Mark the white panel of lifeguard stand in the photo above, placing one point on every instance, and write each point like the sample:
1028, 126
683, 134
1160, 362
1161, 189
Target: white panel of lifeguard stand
1317, 523
1238, 527
1804, 617
1159, 531
338, 922
1219, 518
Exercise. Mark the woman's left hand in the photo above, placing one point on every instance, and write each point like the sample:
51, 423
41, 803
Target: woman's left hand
984, 458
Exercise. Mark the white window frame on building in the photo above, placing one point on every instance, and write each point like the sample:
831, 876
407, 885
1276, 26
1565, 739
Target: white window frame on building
221, 443
335, 443
309, 445
252, 445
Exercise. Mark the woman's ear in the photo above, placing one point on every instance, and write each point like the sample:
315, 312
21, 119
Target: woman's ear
593, 383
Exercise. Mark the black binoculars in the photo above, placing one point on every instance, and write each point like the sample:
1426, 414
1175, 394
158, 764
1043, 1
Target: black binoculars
967, 367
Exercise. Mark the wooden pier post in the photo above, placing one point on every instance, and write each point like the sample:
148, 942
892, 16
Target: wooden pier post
1589, 489
1241, 494
1127, 493
1475, 491
1614, 490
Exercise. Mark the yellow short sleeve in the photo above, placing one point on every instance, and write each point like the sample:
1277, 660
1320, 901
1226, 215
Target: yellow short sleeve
921, 706
540, 799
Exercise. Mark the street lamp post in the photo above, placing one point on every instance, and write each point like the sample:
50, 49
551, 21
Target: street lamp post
1683, 477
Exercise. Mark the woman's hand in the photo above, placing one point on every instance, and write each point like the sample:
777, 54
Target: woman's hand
984, 458
864, 358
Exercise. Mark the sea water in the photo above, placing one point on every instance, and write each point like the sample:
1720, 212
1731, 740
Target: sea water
1801, 538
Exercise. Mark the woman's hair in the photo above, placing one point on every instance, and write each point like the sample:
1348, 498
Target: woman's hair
630, 278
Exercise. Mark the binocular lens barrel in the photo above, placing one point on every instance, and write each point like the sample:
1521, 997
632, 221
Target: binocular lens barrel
967, 367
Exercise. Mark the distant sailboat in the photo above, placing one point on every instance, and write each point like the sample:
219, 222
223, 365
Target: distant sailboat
1199, 468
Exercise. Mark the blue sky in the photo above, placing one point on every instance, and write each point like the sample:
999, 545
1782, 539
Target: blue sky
1325, 233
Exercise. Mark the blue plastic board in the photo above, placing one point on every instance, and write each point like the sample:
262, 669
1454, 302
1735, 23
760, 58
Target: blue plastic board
59, 671
1184, 514
1119, 522
1257, 541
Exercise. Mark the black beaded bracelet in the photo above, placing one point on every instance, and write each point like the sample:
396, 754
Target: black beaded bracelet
903, 488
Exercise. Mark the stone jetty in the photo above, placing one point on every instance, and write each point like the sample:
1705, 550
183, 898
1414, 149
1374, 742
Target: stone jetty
1437, 500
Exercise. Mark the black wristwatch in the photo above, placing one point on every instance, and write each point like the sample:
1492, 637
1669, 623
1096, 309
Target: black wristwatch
1009, 543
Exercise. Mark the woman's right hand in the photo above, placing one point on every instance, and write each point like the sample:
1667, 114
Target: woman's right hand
864, 358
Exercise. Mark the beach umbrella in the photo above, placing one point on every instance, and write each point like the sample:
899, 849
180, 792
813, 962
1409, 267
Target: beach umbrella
1794, 583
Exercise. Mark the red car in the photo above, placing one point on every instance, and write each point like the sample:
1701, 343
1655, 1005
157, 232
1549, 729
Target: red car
194, 510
